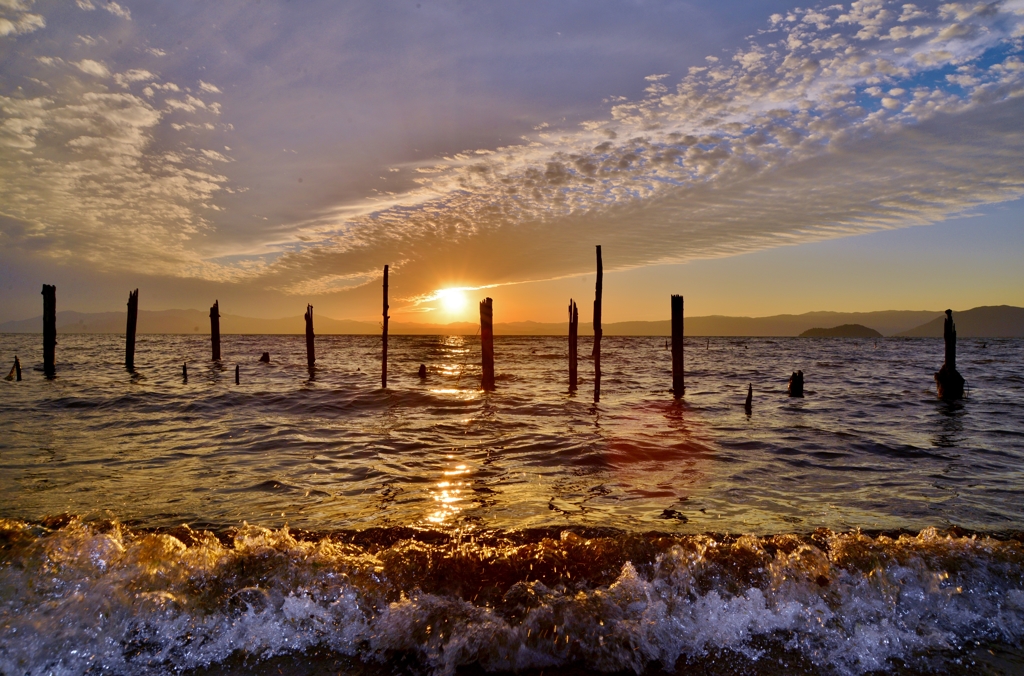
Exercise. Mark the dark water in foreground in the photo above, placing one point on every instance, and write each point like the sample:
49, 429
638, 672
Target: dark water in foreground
333, 526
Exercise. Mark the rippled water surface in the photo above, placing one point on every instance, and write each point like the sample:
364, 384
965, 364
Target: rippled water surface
431, 525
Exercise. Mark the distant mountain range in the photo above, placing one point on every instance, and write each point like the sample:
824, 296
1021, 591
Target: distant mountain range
981, 322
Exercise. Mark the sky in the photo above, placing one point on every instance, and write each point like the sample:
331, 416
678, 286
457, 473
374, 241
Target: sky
758, 157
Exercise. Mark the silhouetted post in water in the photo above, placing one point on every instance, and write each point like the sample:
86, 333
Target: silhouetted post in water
49, 330
796, 384
574, 330
384, 353
129, 333
678, 381
487, 344
236, 374
948, 380
422, 372
15, 373
265, 357
215, 329
184, 372
597, 326
310, 348
749, 405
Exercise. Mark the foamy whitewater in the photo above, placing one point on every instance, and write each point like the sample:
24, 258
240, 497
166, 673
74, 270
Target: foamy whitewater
312, 523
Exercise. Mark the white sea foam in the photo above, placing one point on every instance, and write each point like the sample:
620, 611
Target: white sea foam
81, 598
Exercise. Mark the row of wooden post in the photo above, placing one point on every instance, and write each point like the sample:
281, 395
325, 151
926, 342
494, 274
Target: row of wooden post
486, 336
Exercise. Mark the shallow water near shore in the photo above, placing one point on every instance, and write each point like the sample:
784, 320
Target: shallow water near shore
868, 527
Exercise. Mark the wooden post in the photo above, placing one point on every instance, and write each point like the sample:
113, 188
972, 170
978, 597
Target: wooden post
678, 379
487, 344
597, 326
384, 339
15, 373
49, 330
215, 329
236, 373
310, 348
749, 405
948, 381
184, 371
129, 333
574, 329
796, 384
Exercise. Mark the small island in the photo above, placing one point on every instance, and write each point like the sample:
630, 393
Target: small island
844, 331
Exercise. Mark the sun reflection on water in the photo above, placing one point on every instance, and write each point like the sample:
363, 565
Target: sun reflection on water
448, 495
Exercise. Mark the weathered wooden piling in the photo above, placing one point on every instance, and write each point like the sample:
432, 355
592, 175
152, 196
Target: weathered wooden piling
597, 326
678, 375
236, 374
748, 406
574, 330
948, 381
184, 372
384, 338
487, 344
129, 332
15, 371
215, 329
796, 384
49, 330
310, 347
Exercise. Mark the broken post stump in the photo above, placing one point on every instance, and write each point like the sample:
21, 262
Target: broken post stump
215, 329
796, 384
49, 330
598, 289
15, 373
384, 338
310, 347
574, 330
236, 373
487, 344
948, 381
129, 332
678, 376
265, 357
422, 372
749, 404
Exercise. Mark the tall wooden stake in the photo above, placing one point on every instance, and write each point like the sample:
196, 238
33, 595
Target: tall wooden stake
597, 326
574, 329
310, 348
49, 330
215, 329
678, 384
129, 332
487, 344
384, 351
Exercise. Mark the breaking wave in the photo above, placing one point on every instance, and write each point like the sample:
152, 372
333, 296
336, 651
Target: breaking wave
102, 597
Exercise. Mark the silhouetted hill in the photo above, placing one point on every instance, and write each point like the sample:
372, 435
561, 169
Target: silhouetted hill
990, 321
887, 323
844, 331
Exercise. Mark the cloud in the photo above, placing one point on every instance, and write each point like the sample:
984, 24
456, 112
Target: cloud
16, 19
117, 10
92, 68
831, 123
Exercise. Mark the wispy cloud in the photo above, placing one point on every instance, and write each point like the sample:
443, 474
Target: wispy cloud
831, 121
16, 19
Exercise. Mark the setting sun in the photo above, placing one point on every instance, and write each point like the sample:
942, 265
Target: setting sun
452, 300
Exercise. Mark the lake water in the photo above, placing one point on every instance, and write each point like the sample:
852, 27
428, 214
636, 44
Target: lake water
314, 523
